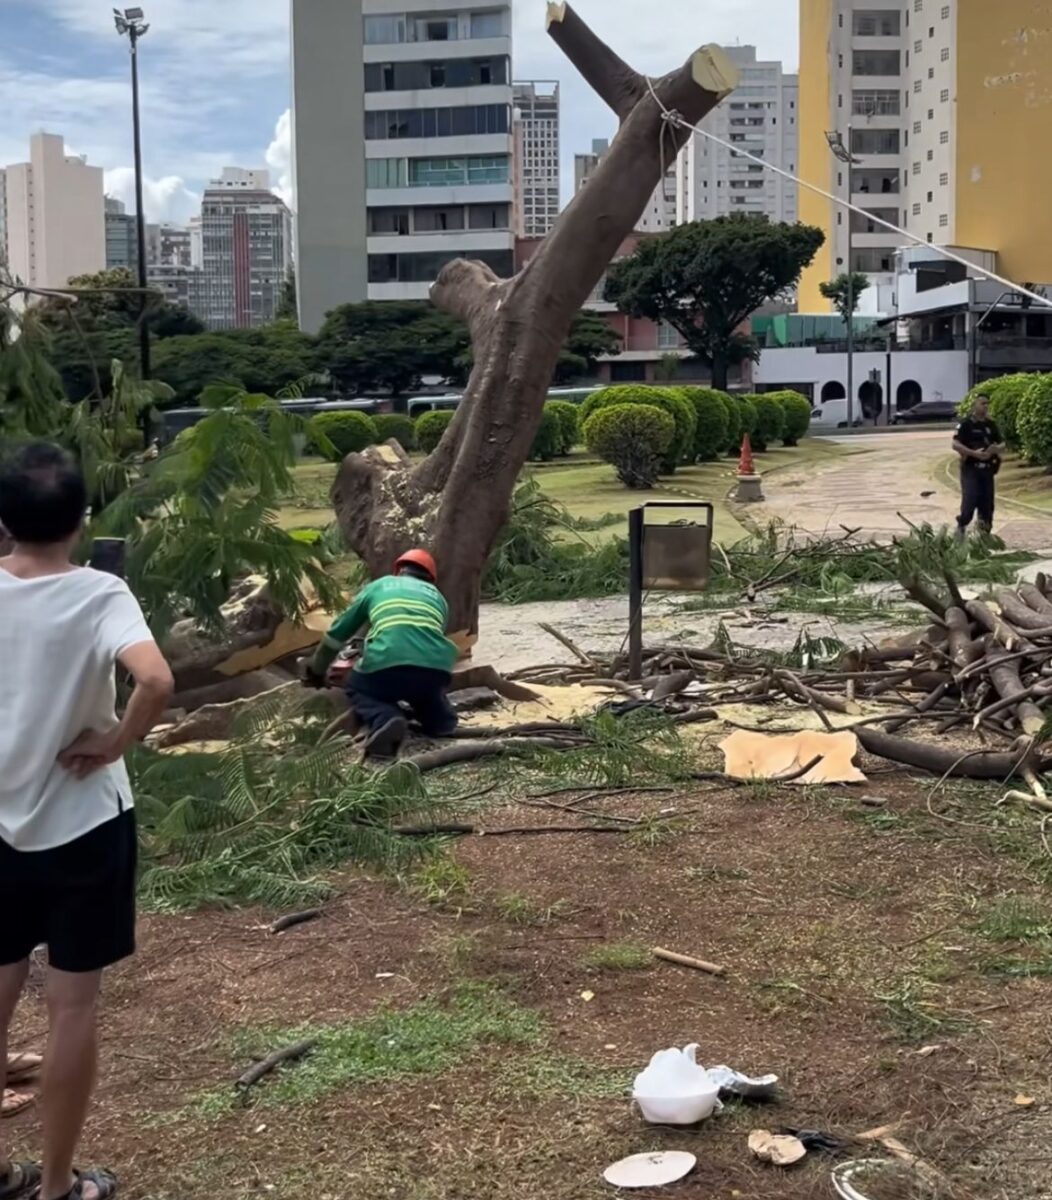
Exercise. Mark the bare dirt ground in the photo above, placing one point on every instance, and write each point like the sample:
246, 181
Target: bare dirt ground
866, 951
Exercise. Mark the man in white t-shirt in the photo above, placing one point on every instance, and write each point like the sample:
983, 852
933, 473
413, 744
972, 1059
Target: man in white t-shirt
67, 828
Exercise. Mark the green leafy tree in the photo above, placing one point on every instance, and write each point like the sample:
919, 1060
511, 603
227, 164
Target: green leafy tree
845, 291
589, 339
288, 305
391, 346
706, 278
1035, 421
634, 438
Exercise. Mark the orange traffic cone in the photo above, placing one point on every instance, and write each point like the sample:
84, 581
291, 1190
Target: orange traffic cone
750, 487
746, 466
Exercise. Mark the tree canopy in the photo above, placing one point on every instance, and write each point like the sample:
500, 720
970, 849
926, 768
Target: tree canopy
845, 291
706, 278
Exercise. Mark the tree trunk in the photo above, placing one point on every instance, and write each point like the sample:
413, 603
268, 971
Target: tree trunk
720, 371
457, 501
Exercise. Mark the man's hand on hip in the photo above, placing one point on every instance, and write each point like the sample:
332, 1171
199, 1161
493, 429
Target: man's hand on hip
91, 752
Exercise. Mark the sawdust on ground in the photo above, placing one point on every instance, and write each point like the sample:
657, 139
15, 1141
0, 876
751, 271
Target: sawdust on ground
554, 704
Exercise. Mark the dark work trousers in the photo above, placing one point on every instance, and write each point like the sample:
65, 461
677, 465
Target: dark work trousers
977, 496
375, 697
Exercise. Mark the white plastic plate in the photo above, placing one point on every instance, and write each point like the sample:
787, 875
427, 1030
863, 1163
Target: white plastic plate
650, 1170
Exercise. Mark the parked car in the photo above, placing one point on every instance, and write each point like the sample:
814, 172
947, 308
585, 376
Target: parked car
927, 410
832, 415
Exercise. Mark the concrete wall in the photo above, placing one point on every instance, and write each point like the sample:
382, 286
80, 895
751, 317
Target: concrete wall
816, 163
941, 375
328, 87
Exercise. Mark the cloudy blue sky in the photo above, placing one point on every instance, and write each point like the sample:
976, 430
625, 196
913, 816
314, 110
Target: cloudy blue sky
215, 78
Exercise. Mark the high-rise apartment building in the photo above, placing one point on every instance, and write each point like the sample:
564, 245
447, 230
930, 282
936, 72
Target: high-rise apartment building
54, 220
536, 130
761, 116
122, 247
171, 245
402, 139
246, 233
944, 106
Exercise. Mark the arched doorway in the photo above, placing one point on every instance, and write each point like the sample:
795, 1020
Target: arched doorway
871, 400
908, 395
833, 390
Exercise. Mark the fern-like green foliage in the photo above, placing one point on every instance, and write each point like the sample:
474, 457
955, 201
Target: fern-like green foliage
261, 822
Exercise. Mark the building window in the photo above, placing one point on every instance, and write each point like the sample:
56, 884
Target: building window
385, 172
918, 46
931, 197
488, 25
944, 219
916, 126
944, 179
945, 55
931, 114
437, 220
876, 23
876, 103
668, 336
876, 62
931, 156
447, 172
393, 124
916, 210
931, 72
944, 137
945, 12
381, 31
917, 85
918, 6
875, 141
389, 221
424, 268
437, 29
916, 168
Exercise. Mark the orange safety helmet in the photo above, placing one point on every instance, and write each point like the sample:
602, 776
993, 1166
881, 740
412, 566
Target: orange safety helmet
418, 558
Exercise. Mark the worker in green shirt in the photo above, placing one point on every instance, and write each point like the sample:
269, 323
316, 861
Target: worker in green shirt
407, 656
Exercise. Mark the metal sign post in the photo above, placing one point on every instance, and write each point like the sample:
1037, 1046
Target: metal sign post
669, 557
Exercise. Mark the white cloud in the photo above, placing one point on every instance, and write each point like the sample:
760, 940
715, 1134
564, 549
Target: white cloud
279, 159
167, 199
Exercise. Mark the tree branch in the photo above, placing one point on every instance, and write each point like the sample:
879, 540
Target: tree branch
609, 76
466, 289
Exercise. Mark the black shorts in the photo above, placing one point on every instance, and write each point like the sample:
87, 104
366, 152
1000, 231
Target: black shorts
77, 899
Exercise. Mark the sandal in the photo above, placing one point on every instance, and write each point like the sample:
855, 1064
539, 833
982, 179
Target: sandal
21, 1067
19, 1180
105, 1184
12, 1104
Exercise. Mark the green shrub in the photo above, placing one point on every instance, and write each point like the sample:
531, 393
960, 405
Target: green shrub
671, 400
430, 427
634, 438
750, 418
734, 423
569, 424
796, 410
770, 420
713, 429
1006, 394
349, 432
397, 426
547, 443
1035, 421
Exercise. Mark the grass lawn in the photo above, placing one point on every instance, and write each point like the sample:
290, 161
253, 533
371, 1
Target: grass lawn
1017, 481
587, 488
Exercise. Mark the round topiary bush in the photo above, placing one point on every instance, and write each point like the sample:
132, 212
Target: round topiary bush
796, 410
671, 400
430, 427
569, 424
398, 427
1034, 421
734, 423
713, 428
1006, 394
770, 420
749, 418
547, 443
347, 432
633, 438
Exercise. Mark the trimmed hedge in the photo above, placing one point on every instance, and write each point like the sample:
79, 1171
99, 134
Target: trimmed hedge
770, 420
1006, 394
633, 438
1035, 421
430, 427
670, 400
548, 442
569, 417
750, 418
349, 432
397, 426
797, 412
713, 430
734, 424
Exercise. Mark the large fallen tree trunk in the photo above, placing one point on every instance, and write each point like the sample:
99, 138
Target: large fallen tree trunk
457, 500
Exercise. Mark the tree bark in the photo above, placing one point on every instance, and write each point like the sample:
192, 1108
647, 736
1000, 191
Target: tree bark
457, 501
720, 371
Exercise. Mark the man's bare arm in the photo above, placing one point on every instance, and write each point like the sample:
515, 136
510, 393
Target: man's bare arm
965, 452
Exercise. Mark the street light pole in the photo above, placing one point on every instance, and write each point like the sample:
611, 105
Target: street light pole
132, 23
850, 298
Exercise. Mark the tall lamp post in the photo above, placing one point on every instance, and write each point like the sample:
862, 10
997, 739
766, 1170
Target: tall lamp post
131, 23
843, 154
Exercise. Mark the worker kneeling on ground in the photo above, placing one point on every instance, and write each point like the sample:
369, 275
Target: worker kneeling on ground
407, 656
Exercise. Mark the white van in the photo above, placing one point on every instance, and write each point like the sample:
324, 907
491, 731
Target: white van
832, 415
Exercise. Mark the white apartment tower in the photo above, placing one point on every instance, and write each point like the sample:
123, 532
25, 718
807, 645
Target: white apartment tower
761, 117
403, 144
53, 223
536, 131
660, 212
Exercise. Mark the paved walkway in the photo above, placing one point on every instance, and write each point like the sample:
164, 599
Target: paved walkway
889, 474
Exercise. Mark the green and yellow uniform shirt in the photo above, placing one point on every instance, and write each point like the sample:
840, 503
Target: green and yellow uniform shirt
407, 628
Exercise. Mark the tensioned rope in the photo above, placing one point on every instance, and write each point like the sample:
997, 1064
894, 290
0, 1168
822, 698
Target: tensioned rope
671, 117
